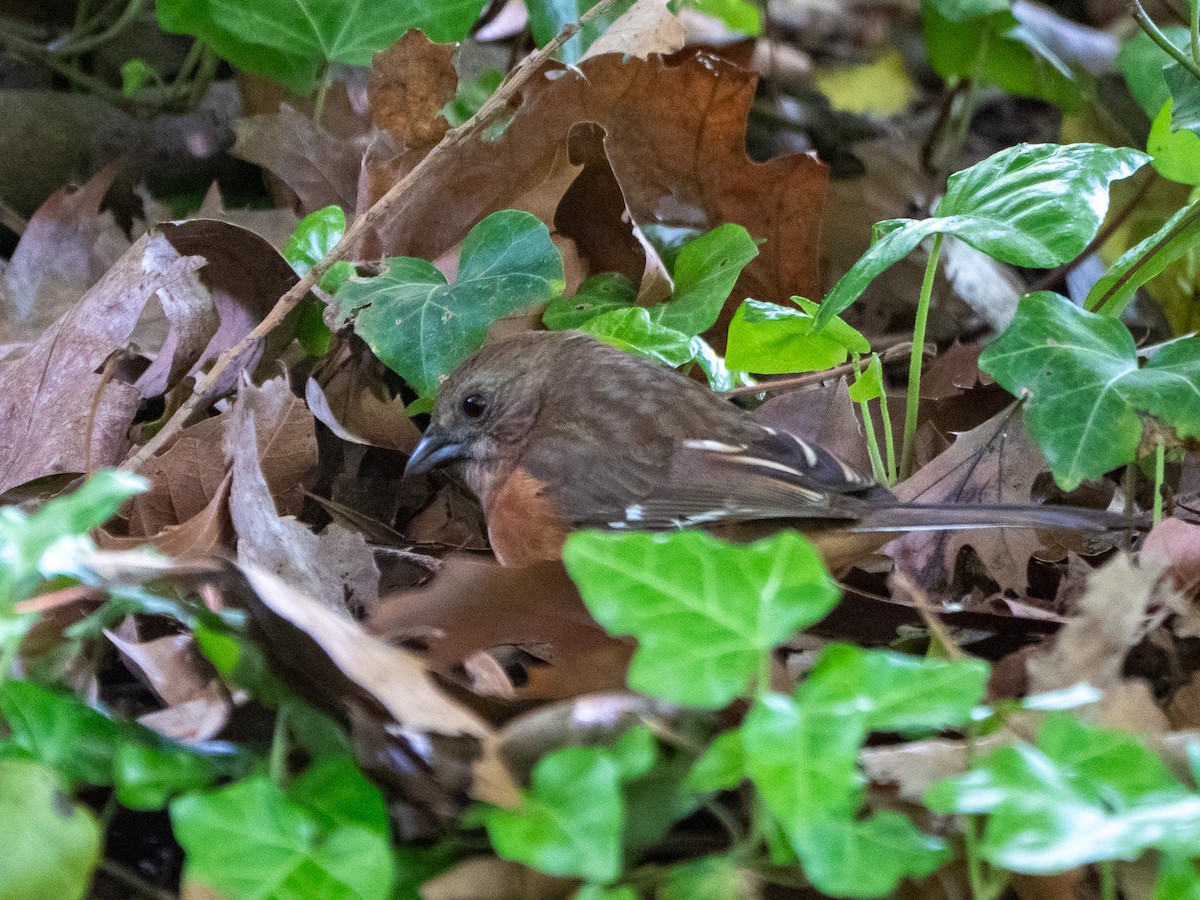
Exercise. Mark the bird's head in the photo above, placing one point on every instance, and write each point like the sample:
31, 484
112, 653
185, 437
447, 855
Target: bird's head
488, 404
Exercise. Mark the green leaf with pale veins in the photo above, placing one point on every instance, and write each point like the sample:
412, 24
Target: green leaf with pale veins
248, 840
705, 613
606, 292
633, 331
1082, 795
570, 820
1085, 393
705, 272
1034, 205
421, 327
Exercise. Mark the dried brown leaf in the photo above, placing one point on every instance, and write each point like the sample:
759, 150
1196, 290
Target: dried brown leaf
67, 246
410, 82
48, 394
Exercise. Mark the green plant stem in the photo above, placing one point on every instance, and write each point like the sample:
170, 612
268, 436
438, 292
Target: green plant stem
128, 16
322, 90
1105, 305
914, 363
889, 439
1152, 31
206, 70
1160, 465
277, 763
864, 407
179, 84
1108, 879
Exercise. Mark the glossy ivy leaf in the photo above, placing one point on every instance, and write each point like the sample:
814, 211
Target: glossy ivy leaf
999, 206
1085, 393
1176, 153
1142, 61
248, 840
570, 820
51, 843
986, 42
1083, 794
421, 327
199, 18
315, 235
600, 892
548, 17
1185, 98
289, 40
633, 331
470, 95
1178, 236
705, 272
773, 339
721, 767
606, 292
868, 857
147, 777
895, 691
59, 731
40, 545
337, 793
706, 614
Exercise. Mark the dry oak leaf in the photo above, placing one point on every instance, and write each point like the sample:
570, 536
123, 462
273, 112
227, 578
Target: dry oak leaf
67, 246
52, 394
674, 139
409, 84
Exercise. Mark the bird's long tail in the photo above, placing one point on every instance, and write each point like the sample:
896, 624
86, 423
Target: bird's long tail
950, 516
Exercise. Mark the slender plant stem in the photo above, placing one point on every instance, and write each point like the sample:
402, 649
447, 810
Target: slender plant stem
914, 363
132, 9
1152, 31
206, 70
1106, 304
379, 210
322, 89
277, 764
864, 407
889, 439
1160, 465
1108, 879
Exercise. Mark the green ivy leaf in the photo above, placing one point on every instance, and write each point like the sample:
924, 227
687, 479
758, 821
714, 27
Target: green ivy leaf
146, 777
1178, 236
985, 41
1085, 391
633, 331
722, 767
51, 843
289, 40
60, 731
706, 614
570, 820
773, 339
869, 383
705, 272
315, 235
600, 294
422, 328
248, 840
337, 793
896, 691
1178, 879
1082, 795
999, 207
135, 74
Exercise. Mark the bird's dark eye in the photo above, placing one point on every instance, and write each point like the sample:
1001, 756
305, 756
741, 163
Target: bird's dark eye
474, 405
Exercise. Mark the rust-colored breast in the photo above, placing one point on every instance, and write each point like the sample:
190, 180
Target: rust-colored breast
524, 523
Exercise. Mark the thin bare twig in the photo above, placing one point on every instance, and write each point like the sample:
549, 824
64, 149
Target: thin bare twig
362, 225
924, 606
795, 382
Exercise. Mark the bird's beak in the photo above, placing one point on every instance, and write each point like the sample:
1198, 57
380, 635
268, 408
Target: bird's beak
437, 448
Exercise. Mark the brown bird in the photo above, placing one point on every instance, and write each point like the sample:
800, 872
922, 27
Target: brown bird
556, 431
